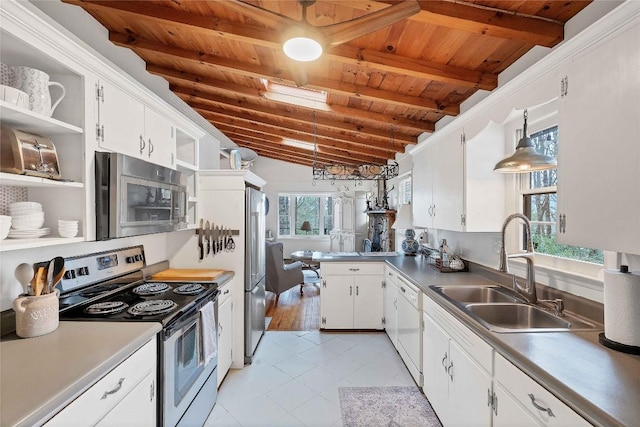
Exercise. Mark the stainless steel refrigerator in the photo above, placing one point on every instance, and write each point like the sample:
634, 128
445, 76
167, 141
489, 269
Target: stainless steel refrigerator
254, 275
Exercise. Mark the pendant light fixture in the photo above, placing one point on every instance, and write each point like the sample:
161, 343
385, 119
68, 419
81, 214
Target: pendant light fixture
526, 158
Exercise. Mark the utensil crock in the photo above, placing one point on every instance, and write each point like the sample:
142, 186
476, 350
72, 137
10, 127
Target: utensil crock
36, 315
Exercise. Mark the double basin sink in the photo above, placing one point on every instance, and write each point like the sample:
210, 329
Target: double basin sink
502, 310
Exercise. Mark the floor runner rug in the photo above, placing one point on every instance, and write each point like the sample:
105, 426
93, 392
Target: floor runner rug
386, 406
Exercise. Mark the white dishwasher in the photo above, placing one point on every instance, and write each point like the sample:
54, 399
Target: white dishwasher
409, 328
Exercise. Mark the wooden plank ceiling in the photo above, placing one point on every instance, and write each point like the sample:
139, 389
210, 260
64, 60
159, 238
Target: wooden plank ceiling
382, 89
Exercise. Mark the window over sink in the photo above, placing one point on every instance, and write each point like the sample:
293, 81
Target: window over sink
539, 201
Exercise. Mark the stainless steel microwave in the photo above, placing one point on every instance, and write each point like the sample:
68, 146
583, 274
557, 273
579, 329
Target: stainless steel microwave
134, 197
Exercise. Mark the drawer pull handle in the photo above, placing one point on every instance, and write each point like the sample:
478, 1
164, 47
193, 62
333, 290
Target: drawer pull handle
402, 289
350, 290
444, 361
115, 389
226, 292
357, 291
354, 269
538, 407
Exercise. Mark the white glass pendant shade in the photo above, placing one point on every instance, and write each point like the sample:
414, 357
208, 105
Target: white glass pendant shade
526, 158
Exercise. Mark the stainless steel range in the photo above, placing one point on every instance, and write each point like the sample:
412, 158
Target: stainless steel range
110, 286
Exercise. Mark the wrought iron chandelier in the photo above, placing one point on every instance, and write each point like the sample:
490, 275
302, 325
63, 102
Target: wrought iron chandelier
350, 172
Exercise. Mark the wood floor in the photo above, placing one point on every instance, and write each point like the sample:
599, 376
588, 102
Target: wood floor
295, 312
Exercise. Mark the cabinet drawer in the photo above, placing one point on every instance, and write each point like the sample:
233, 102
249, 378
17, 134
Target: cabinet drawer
467, 340
352, 268
105, 394
522, 387
226, 292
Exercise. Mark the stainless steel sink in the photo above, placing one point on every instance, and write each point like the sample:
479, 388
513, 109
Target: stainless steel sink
477, 294
501, 310
524, 318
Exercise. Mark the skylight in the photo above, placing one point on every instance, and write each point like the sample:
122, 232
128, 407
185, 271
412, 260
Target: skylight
298, 144
296, 96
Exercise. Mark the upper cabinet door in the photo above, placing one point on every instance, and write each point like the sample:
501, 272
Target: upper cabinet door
448, 183
121, 120
599, 148
422, 191
160, 139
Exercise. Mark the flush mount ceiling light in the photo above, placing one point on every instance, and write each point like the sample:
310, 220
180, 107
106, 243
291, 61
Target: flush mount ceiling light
305, 42
526, 158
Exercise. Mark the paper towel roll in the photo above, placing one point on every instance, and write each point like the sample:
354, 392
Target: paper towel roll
622, 307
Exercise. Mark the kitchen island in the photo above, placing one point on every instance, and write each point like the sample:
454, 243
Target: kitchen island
600, 384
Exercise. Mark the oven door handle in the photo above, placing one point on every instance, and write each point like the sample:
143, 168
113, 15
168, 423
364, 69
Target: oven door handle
187, 317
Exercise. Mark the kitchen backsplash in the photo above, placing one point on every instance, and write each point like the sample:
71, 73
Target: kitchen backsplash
10, 195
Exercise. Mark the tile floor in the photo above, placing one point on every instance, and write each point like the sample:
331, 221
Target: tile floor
294, 378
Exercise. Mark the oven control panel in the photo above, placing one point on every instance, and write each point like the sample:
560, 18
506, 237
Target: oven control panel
88, 269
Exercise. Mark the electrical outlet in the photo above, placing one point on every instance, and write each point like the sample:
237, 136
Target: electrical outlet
496, 246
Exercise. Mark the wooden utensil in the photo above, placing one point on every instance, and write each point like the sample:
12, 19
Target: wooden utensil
57, 278
38, 281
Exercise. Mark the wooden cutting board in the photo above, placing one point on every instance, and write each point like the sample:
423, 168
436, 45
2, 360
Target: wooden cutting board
188, 275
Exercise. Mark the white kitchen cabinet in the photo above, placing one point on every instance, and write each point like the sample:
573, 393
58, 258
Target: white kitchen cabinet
23, 46
437, 185
457, 369
410, 327
454, 186
598, 149
536, 401
147, 134
391, 305
352, 295
131, 384
507, 412
139, 408
225, 331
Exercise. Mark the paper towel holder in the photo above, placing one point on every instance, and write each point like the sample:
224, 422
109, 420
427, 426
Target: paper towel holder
625, 348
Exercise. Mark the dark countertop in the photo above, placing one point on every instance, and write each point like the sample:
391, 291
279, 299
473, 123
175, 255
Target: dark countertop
600, 384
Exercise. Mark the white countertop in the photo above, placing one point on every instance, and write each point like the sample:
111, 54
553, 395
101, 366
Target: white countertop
40, 376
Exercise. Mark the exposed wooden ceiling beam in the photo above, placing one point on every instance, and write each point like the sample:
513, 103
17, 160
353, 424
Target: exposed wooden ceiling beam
148, 49
303, 118
483, 20
301, 131
229, 124
421, 69
400, 124
324, 117
323, 152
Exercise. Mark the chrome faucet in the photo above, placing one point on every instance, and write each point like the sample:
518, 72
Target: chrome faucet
529, 290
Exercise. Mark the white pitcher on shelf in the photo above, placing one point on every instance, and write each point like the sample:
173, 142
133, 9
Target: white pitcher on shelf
36, 84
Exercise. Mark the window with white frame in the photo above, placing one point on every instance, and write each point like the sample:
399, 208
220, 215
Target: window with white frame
404, 190
295, 209
539, 197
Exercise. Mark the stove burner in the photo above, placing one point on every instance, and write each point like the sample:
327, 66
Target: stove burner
104, 308
150, 289
151, 308
189, 289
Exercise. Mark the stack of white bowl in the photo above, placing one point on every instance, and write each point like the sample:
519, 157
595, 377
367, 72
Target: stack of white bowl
5, 226
26, 215
67, 228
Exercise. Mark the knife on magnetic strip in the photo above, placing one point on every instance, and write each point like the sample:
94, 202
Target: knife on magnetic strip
200, 237
207, 235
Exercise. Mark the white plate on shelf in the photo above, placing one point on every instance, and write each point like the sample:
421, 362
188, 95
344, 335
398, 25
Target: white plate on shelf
29, 234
